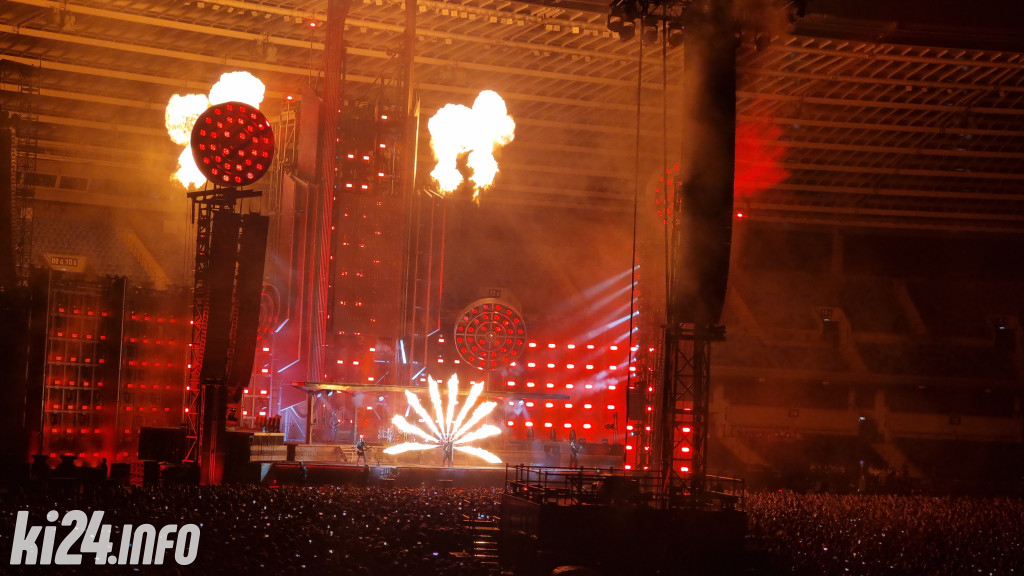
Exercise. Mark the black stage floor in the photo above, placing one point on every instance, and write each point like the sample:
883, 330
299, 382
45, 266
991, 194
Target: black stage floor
406, 476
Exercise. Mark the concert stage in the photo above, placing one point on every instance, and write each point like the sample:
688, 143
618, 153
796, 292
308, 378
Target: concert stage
265, 458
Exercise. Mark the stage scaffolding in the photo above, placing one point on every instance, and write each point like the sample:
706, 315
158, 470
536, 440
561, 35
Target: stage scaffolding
614, 487
204, 204
25, 122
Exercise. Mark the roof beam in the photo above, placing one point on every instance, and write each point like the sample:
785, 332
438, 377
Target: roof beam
305, 43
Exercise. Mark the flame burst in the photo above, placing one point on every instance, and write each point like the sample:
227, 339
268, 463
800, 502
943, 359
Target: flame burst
181, 113
456, 130
445, 426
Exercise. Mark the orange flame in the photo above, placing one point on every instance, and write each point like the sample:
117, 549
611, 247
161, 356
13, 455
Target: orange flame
181, 113
456, 130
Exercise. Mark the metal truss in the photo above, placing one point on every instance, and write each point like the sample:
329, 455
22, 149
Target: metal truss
684, 412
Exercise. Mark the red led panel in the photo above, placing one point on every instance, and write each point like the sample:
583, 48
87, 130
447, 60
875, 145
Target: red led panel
232, 144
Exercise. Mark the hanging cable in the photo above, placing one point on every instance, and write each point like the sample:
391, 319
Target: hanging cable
664, 158
636, 202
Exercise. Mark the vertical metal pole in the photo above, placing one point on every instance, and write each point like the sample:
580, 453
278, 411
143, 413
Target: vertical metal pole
310, 403
412, 205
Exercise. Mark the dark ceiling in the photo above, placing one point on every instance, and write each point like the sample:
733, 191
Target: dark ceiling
862, 114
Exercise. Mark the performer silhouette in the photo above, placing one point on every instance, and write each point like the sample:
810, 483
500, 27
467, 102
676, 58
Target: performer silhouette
574, 450
361, 451
448, 453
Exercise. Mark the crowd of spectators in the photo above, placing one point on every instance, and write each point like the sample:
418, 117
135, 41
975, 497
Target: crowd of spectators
371, 530
342, 531
886, 534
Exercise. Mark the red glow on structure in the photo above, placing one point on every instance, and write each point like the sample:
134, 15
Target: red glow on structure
759, 158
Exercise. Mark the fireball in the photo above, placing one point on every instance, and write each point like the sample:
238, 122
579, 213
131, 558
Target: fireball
456, 130
181, 113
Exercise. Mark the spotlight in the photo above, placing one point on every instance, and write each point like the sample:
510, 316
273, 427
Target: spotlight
650, 31
615, 19
796, 10
628, 30
762, 41
675, 34
632, 12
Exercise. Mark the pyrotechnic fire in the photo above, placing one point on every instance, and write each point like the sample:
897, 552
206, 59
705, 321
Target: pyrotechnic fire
238, 87
445, 426
456, 130
181, 114
188, 173
182, 111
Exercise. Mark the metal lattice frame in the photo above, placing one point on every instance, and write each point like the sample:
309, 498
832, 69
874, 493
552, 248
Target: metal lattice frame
25, 158
646, 385
204, 205
203, 214
871, 133
684, 412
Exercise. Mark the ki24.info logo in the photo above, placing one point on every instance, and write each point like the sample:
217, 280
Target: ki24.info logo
88, 536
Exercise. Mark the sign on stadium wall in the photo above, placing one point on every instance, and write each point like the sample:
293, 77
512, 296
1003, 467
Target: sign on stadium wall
65, 262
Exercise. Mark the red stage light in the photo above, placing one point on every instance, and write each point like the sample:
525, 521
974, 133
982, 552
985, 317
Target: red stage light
233, 144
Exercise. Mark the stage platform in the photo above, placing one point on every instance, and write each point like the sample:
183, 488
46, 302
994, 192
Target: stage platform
339, 474
271, 447
266, 458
